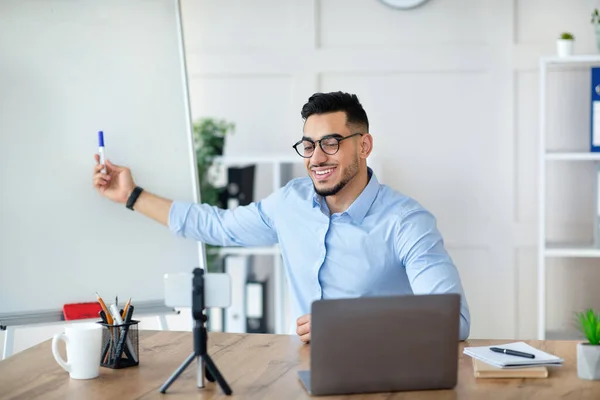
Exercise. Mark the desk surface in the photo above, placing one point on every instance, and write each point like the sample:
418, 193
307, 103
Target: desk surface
258, 367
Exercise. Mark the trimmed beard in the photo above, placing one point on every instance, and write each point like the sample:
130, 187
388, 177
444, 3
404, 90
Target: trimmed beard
350, 173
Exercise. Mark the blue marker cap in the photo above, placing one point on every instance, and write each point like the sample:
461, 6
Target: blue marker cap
100, 139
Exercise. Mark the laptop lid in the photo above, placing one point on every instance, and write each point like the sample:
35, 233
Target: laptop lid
384, 344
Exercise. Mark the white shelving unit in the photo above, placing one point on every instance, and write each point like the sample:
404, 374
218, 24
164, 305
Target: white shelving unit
279, 164
545, 249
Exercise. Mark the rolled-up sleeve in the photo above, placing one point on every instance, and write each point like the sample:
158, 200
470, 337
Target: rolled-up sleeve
429, 267
251, 225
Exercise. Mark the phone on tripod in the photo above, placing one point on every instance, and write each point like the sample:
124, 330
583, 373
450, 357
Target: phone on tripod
217, 289
199, 291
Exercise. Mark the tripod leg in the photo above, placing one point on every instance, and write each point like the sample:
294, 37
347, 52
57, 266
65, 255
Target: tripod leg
216, 374
208, 375
178, 372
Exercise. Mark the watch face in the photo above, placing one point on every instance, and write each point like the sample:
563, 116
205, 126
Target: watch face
403, 4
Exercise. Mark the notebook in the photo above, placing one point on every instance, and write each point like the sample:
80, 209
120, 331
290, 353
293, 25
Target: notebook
484, 370
502, 360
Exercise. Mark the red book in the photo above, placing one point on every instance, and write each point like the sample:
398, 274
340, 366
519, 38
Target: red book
81, 310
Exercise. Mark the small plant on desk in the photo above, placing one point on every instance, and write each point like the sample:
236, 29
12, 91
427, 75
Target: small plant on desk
588, 353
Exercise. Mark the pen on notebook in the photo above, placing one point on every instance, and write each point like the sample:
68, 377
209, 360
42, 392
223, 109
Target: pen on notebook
512, 352
101, 150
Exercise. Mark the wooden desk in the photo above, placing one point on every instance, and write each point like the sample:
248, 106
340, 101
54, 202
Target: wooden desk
258, 367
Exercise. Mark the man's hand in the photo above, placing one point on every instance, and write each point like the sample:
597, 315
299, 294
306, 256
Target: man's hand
116, 185
303, 328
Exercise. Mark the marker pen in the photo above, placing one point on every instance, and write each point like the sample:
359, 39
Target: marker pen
101, 150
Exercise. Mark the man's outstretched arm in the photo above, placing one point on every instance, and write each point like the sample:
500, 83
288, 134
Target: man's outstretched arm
244, 226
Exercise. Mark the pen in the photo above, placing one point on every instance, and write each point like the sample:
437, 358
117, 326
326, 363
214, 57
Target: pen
124, 336
119, 321
101, 150
103, 316
512, 352
129, 314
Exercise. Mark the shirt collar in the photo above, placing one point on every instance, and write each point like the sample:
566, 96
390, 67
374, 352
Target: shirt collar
359, 208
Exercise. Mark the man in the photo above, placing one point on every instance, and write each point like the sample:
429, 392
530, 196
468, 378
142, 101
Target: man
341, 232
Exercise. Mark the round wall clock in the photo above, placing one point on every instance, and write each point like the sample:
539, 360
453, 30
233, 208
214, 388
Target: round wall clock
403, 4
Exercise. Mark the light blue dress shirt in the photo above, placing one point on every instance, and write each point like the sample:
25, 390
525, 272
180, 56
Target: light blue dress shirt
385, 243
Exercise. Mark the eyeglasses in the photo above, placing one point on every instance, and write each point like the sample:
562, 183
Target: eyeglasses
330, 144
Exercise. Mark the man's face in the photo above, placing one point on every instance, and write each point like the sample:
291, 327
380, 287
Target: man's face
331, 173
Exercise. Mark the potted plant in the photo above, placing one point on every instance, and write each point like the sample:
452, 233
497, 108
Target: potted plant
596, 23
564, 44
588, 353
209, 142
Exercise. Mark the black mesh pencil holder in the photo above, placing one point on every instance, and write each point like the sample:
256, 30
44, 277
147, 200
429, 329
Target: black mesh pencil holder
120, 345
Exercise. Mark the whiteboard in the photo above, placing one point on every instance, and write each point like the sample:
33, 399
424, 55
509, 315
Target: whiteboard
69, 69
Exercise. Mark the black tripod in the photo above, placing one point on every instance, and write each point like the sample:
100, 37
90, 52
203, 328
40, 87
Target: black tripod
200, 341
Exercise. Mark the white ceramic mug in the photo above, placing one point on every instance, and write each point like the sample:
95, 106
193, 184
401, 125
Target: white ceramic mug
84, 348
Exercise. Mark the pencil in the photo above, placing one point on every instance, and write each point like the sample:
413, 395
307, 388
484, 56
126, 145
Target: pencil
108, 316
125, 309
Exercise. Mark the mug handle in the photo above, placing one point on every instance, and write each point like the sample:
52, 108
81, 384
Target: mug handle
64, 364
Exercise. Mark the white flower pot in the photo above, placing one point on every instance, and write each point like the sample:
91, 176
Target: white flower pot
588, 361
564, 47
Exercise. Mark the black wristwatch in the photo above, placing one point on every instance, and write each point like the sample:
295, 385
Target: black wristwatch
133, 197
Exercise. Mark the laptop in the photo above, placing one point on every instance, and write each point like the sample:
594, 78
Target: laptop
383, 344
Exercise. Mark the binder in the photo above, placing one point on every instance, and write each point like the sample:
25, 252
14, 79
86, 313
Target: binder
595, 110
235, 315
597, 208
240, 187
255, 307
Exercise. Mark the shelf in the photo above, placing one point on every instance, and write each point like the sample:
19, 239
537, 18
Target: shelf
572, 156
249, 251
571, 250
580, 58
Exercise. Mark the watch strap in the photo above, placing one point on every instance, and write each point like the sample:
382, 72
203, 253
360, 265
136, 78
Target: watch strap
133, 197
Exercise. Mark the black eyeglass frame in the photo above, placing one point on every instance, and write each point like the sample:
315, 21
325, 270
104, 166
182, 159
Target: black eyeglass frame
335, 136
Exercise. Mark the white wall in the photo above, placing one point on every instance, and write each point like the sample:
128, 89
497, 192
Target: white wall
451, 92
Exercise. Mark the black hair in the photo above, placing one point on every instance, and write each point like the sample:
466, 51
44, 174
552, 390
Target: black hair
322, 103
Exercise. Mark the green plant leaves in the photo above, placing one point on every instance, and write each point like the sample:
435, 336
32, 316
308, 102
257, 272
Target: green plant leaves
209, 142
589, 323
567, 36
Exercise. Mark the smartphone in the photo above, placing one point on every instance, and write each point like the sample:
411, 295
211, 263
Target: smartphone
178, 290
